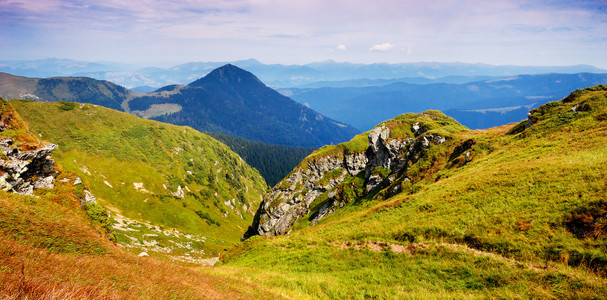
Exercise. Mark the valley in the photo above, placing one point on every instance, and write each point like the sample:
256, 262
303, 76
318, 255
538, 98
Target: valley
419, 205
303, 149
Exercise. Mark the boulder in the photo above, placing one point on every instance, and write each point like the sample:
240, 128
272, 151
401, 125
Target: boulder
24, 171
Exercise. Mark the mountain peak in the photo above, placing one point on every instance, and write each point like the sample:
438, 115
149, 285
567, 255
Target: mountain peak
228, 74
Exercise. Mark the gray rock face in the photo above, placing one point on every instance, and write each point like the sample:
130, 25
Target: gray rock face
295, 196
286, 203
24, 171
384, 153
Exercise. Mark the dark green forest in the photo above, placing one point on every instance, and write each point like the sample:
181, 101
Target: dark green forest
273, 162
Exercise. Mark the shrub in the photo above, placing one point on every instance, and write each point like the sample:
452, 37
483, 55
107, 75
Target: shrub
101, 217
207, 218
66, 106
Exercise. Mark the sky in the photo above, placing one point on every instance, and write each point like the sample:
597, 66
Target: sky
156, 32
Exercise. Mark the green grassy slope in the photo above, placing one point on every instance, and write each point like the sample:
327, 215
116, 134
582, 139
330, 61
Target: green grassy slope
170, 189
51, 247
523, 218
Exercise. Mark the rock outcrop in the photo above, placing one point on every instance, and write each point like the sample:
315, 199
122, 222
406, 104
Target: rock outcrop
327, 181
24, 171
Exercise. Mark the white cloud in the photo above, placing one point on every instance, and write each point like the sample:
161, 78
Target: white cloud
382, 47
342, 48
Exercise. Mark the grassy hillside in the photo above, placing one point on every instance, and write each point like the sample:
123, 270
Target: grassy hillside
52, 247
523, 216
171, 190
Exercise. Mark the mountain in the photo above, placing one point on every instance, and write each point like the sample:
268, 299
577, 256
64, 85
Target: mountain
385, 158
51, 67
73, 89
233, 101
433, 70
381, 82
421, 206
480, 104
163, 184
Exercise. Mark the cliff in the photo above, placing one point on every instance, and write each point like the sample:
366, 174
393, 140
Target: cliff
25, 163
377, 164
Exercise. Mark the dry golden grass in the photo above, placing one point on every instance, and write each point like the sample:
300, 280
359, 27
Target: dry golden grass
38, 274
49, 249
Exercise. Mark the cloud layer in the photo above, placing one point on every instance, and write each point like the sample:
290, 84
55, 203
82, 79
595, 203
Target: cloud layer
300, 31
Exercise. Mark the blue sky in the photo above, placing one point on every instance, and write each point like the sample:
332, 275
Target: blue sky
156, 32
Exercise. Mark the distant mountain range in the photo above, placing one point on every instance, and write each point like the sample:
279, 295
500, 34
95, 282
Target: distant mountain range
480, 104
326, 74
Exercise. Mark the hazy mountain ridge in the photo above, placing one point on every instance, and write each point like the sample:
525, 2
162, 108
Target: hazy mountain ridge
73, 89
363, 107
275, 75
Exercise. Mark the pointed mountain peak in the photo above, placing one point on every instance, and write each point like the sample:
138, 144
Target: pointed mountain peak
228, 74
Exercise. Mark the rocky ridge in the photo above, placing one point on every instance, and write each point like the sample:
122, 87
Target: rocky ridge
25, 162
335, 175
23, 171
